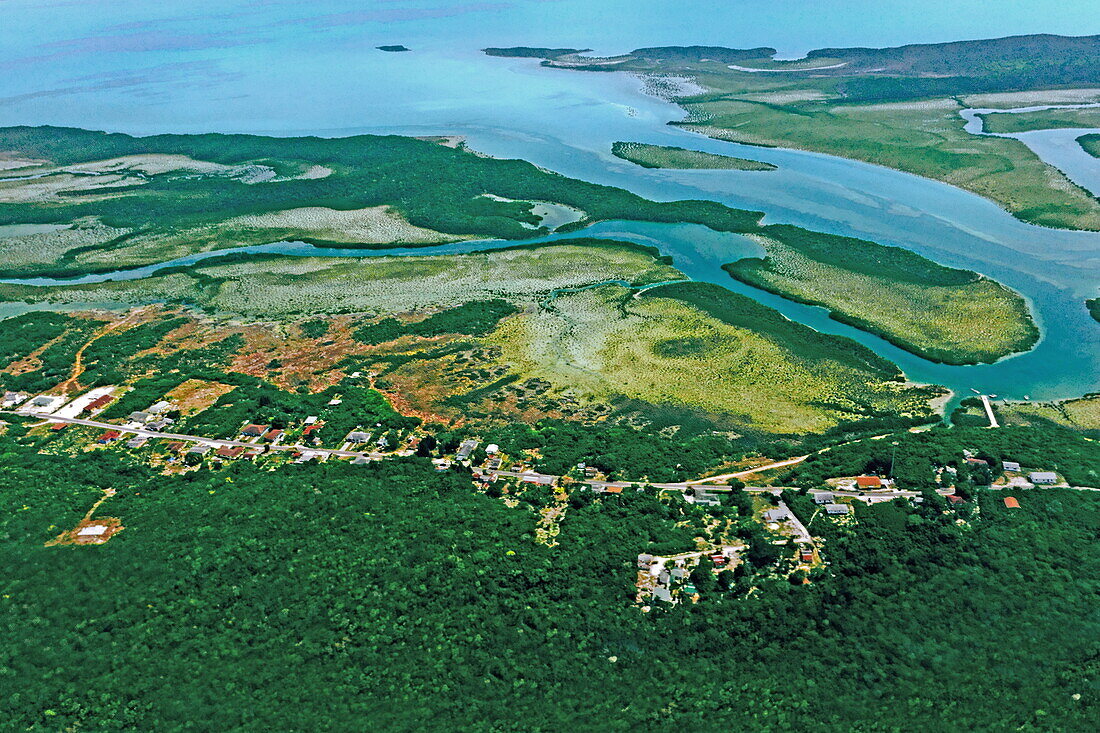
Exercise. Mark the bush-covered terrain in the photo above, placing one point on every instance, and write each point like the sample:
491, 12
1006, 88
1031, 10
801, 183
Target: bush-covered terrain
337, 597
664, 156
943, 314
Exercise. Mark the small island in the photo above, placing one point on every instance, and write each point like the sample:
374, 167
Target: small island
663, 156
392, 49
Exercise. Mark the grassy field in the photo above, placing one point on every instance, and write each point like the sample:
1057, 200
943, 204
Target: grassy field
943, 314
287, 288
663, 156
896, 107
701, 347
1048, 119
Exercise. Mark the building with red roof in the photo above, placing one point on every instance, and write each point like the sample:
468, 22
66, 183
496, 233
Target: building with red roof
1011, 503
869, 482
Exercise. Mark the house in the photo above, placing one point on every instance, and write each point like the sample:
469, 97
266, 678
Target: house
311, 420
705, 498
613, 489
139, 417
160, 424
312, 427
137, 442
493, 464
109, 437
199, 450
230, 451
664, 577
1011, 503
360, 461
466, 449
955, 498
273, 434
11, 399
492, 449
159, 407
1046, 478
824, 497
358, 436
662, 594
254, 431
42, 401
837, 509
806, 554
59, 426
98, 403
174, 447
869, 482
679, 573
976, 462
775, 515
1010, 466
645, 560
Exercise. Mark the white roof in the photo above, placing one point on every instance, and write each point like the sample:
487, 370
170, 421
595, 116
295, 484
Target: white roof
1043, 476
311, 419
92, 530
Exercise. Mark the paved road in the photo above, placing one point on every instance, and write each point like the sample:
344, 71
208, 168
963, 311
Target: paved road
989, 412
216, 442
751, 471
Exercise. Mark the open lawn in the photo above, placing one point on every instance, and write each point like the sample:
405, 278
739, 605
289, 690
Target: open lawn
664, 156
943, 314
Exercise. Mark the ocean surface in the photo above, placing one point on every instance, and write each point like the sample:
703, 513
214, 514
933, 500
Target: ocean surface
288, 68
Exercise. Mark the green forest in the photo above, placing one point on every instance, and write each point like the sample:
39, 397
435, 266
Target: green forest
335, 597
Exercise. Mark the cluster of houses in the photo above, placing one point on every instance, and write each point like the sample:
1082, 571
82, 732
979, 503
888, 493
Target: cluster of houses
668, 578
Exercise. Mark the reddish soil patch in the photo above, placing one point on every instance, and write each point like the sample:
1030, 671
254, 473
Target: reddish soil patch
89, 532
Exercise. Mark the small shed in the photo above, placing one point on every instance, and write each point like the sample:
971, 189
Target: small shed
1011, 503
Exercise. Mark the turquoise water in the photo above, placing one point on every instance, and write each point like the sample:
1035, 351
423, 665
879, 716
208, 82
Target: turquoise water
289, 68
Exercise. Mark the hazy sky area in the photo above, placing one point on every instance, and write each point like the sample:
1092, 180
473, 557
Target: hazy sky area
270, 64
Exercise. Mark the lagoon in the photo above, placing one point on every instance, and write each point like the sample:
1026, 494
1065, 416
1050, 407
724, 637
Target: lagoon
285, 69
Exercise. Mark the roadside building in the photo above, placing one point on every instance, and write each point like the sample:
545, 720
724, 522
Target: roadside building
230, 451
1011, 503
273, 434
58, 426
254, 430
1010, 466
1043, 478
492, 449
869, 482
360, 461
109, 436
976, 462
42, 401
466, 449
139, 417
703, 497
160, 424
137, 441
645, 560
11, 399
358, 436
662, 594
159, 407
837, 509
776, 515
954, 498
98, 403
824, 497
199, 450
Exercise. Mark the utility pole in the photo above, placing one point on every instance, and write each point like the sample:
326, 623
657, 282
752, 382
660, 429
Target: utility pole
892, 454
